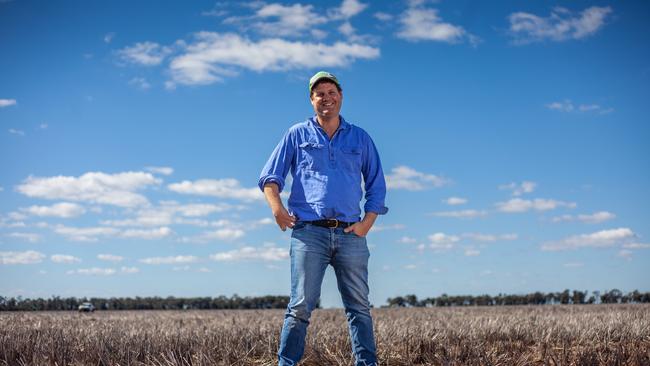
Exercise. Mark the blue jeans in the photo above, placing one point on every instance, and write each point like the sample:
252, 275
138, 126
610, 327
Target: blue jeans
313, 248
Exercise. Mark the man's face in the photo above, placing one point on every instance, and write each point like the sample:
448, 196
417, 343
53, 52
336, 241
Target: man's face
326, 100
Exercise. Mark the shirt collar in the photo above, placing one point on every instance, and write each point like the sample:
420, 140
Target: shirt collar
342, 125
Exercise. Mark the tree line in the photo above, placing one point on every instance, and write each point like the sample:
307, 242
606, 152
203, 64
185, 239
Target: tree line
145, 303
614, 296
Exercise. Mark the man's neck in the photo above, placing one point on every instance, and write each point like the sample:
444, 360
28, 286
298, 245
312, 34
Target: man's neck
329, 124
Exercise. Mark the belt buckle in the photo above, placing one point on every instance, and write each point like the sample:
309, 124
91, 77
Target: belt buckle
336, 221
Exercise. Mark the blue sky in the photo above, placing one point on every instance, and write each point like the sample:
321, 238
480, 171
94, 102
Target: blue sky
514, 138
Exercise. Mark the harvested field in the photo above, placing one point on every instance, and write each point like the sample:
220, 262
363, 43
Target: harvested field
526, 335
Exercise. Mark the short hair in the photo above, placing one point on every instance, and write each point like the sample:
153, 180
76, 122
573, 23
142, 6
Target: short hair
324, 80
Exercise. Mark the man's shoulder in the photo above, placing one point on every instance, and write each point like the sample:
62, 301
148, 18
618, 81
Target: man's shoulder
300, 126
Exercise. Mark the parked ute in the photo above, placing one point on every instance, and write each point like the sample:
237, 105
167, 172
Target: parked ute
86, 307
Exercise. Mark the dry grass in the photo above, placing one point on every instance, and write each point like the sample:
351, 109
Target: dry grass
545, 335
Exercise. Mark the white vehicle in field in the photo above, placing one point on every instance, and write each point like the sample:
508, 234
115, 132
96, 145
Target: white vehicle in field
86, 307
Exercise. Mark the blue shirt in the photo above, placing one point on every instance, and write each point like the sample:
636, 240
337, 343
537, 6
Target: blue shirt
327, 173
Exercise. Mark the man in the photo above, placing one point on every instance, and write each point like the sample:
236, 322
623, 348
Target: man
327, 157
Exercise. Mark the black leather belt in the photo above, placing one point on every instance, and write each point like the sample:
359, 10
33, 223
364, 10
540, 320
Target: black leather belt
330, 223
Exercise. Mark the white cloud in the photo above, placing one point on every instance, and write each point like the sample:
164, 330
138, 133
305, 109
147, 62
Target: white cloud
63, 258
424, 24
461, 214
63, 210
384, 17
490, 237
453, 201
7, 102
573, 264
472, 252
170, 260
636, 246
108, 37
94, 271
94, 187
281, 20
88, 234
625, 254
403, 177
595, 218
380, 227
43, 126
14, 131
110, 257
519, 188
30, 237
129, 270
567, 106
539, 204
221, 234
164, 170
348, 9
599, 239
222, 188
214, 56
410, 266
140, 82
267, 254
145, 53
27, 257
441, 241
561, 25
204, 270
407, 240
151, 234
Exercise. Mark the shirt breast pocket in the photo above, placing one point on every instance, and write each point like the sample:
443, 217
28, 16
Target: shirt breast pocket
311, 155
351, 158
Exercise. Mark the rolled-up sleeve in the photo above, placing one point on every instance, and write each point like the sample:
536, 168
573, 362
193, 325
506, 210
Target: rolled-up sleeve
373, 177
276, 168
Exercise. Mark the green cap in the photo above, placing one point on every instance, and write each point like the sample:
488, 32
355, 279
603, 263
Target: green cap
322, 75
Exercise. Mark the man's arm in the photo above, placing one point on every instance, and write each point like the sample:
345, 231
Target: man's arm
282, 216
362, 227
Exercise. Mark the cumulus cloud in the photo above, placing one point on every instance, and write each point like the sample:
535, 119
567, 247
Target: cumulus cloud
347, 9
280, 20
561, 25
64, 258
87, 234
7, 102
63, 210
14, 131
26, 257
144, 53
380, 227
636, 246
30, 237
595, 218
94, 187
440, 241
140, 83
403, 177
419, 23
599, 239
110, 257
470, 252
461, 214
517, 205
519, 188
222, 188
164, 170
568, 106
129, 270
407, 240
226, 234
94, 271
266, 254
170, 260
214, 56
150, 234
453, 201
490, 237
